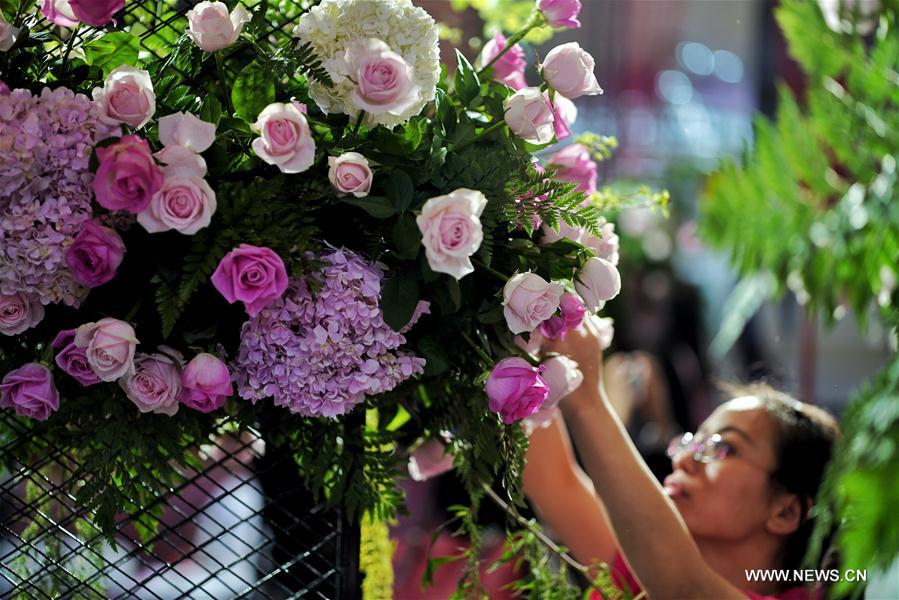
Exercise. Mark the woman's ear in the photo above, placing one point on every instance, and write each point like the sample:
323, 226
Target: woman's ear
787, 514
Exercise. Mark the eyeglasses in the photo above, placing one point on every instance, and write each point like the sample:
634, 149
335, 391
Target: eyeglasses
704, 450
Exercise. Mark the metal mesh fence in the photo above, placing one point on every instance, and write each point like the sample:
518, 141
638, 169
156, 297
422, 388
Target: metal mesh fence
243, 526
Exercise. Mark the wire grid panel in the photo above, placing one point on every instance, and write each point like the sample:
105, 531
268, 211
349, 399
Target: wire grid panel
241, 527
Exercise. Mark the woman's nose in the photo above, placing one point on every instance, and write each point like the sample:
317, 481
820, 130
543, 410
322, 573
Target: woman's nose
684, 461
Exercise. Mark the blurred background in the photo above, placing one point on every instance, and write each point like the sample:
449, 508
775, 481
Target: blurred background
683, 81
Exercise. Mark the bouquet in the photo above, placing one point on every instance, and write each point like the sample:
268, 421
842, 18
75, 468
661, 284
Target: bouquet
220, 224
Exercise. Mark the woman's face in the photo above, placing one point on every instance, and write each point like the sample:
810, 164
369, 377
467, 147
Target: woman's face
730, 498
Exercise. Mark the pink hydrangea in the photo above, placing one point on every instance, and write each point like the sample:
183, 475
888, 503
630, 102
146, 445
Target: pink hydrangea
45, 189
321, 354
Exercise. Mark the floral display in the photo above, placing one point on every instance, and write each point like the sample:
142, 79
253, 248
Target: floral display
324, 232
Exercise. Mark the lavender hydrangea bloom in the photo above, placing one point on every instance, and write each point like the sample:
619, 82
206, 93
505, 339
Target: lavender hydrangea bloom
45, 189
322, 355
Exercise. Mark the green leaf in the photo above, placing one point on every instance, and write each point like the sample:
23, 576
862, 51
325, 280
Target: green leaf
434, 352
211, 111
112, 50
380, 207
399, 189
401, 142
253, 90
406, 237
399, 297
466, 82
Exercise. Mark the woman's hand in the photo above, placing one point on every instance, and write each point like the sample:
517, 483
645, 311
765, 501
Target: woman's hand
584, 347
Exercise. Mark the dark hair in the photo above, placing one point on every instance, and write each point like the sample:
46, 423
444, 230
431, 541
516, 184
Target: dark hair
806, 435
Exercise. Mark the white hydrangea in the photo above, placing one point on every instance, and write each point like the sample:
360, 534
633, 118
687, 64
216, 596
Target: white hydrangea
407, 29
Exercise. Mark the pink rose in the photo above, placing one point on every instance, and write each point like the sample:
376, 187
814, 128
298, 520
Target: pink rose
109, 345
212, 28
568, 69
528, 300
429, 460
606, 245
515, 389
563, 377
179, 160
127, 97
529, 116
127, 177
19, 312
30, 390
186, 130
564, 114
185, 203
560, 13
96, 12
603, 329
155, 383
285, 139
349, 174
597, 282
572, 311
384, 80
72, 359
575, 165
451, 230
95, 254
8, 35
205, 383
59, 12
255, 276
509, 69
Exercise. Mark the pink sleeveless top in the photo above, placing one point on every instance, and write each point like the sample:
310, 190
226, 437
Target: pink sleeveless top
625, 581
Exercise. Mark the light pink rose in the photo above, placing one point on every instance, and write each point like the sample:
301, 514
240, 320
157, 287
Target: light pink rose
529, 116
285, 139
126, 97
185, 129
429, 460
563, 377
110, 345
179, 160
564, 115
95, 254
603, 328
575, 164
384, 80
205, 383
96, 12
451, 230
8, 35
509, 69
72, 359
155, 383
212, 28
597, 282
560, 13
59, 12
19, 312
127, 177
30, 391
606, 245
185, 203
349, 174
528, 300
569, 70
253, 275
515, 389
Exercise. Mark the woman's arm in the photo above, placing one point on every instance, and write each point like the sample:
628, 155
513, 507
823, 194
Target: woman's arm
651, 533
563, 496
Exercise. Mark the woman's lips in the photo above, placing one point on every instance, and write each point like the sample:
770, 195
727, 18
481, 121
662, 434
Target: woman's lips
674, 487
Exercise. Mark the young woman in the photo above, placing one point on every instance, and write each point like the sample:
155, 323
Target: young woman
738, 499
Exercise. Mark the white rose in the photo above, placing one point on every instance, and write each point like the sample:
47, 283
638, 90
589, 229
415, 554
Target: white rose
451, 230
211, 26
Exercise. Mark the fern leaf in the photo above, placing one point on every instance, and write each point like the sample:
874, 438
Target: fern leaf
310, 65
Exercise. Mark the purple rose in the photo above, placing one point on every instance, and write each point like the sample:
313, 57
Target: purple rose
572, 311
95, 254
19, 312
515, 389
96, 12
72, 359
155, 383
30, 391
205, 383
574, 164
127, 177
560, 13
509, 69
255, 276
59, 12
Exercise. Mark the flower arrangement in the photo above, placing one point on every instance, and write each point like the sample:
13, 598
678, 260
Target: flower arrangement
324, 227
